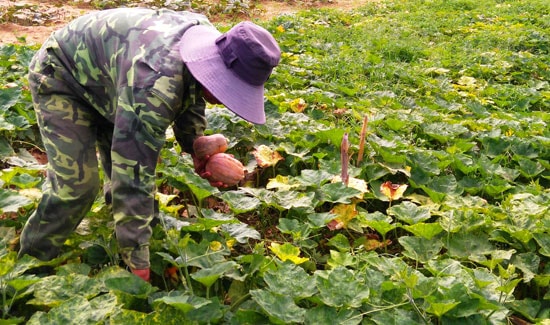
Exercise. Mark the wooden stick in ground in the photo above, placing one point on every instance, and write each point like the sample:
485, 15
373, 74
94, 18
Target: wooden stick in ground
344, 157
362, 140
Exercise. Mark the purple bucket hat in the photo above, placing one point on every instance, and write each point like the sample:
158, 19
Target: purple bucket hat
232, 66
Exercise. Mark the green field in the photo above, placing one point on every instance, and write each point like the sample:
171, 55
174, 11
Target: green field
445, 219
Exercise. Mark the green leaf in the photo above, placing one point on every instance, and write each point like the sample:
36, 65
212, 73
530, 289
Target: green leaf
278, 306
340, 242
325, 315
467, 244
208, 276
313, 178
289, 279
424, 230
241, 232
11, 201
338, 193
420, 249
409, 212
239, 202
528, 308
340, 288
184, 303
130, 284
55, 290
544, 242
23, 282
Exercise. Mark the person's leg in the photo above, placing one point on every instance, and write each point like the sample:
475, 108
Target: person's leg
104, 143
135, 151
69, 134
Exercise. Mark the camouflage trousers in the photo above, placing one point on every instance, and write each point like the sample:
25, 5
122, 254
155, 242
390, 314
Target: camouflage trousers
73, 132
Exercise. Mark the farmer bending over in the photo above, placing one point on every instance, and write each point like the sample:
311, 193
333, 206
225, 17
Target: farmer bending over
116, 80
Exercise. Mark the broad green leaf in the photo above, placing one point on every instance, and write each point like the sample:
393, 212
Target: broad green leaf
54, 290
420, 249
184, 303
290, 280
529, 168
208, 276
325, 315
298, 230
239, 202
409, 212
424, 162
440, 308
22, 282
544, 242
184, 177
278, 306
314, 178
465, 244
241, 232
11, 201
73, 310
528, 308
130, 284
424, 230
210, 313
340, 242
341, 288
287, 200
443, 132
396, 317
528, 263
288, 252
338, 258
338, 193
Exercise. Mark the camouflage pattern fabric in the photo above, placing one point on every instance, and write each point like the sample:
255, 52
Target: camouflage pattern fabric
112, 81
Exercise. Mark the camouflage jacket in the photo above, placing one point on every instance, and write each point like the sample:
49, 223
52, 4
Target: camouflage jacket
130, 58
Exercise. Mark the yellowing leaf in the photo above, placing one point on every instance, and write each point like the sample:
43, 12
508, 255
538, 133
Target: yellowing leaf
298, 105
288, 252
355, 183
344, 214
281, 183
372, 244
393, 191
266, 157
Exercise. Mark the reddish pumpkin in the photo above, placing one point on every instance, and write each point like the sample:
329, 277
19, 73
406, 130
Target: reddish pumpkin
224, 168
208, 145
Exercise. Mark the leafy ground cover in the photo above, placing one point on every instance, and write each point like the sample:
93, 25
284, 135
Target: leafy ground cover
443, 215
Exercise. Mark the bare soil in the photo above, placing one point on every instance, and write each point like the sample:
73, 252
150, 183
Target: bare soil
58, 14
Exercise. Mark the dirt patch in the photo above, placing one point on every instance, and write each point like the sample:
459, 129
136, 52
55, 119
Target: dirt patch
46, 16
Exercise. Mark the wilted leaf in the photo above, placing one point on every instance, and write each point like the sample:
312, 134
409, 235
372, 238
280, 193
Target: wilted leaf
344, 214
393, 191
266, 157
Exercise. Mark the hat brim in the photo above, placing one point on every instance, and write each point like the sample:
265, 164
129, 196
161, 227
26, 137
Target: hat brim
200, 54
